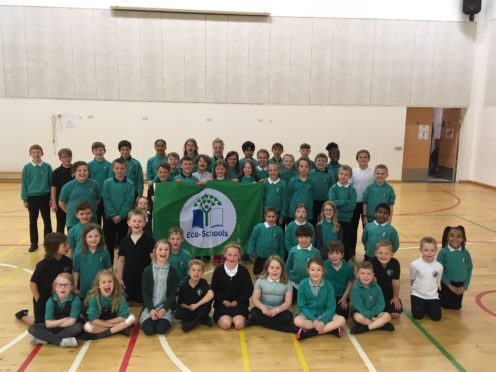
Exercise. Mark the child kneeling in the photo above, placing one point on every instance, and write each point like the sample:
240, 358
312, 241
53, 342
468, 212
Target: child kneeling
195, 298
159, 285
317, 304
368, 302
108, 312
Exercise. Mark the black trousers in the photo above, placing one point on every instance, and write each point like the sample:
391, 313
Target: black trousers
282, 322
159, 326
346, 226
37, 204
55, 335
258, 265
345, 313
421, 306
355, 221
61, 218
317, 207
114, 233
201, 312
100, 213
449, 299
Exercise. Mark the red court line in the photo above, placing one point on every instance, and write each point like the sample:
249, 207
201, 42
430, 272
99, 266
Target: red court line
30, 357
130, 348
458, 201
478, 301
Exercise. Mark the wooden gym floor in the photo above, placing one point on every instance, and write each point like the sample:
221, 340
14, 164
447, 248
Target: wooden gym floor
463, 340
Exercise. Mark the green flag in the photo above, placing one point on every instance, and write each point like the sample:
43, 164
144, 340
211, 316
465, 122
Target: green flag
210, 216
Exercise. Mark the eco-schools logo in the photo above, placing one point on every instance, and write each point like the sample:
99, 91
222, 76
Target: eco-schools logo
208, 219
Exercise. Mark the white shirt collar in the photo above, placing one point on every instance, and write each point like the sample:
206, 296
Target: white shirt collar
451, 249
300, 224
345, 186
273, 182
267, 225
273, 281
262, 169
230, 272
381, 224
309, 248
37, 165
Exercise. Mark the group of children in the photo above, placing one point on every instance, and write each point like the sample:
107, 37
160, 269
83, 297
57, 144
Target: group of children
301, 250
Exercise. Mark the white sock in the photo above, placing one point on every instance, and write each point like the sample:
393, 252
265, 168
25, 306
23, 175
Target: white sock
130, 320
68, 342
88, 327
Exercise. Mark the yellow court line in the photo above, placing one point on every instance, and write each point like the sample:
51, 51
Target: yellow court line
407, 234
31, 259
299, 352
244, 351
7, 252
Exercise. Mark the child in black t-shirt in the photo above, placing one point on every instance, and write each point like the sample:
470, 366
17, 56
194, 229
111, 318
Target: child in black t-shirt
60, 177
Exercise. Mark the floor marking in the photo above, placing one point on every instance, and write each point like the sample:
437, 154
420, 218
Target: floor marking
360, 350
13, 342
405, 233
18, 269
434, 342
244, 350
478, 301
458, 201
299, 352
130, 347
79, 358
475, 223
174, 359
7, 252
30, 357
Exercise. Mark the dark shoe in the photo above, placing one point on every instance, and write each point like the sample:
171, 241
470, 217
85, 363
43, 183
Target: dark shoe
336, 332
85, 336
206, 321
188, 326
33, 248
21, 314
125, 332
306, 333
387, 327
359, 328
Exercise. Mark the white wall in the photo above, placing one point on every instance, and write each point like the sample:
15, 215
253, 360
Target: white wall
352, 128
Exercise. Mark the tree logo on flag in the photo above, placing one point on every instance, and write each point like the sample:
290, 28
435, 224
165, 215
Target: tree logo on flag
208, 219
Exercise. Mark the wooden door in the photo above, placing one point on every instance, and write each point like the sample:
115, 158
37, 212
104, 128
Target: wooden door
448, 144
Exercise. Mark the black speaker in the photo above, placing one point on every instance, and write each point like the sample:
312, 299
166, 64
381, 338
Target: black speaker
471, 7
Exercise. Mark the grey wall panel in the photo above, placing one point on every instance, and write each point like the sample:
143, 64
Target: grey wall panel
490, 93
382, 65
301, 60
363, 58
173, 57
342, 59
216, 58
442, 70
403, 52
37, 51
14, 52
460, 89
194, 58
258, 60
128, 35
2, 75
238, 32
152, 85
106, 55
61, 53
83, 47
280, 60
320, 70
423, 63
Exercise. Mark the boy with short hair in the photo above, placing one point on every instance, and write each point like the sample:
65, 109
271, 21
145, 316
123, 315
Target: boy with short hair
301, 189
387, 274
379, 230
368, 302
296, 264
277, 150
287, 170
344, 195
118, 196
378, 192
323, 179
100, 169
248, 148
163, 175
36, 180
179, 257
218, 153
263, 162
60, 177
186, 175
425, 277
84, 213
340, 274
305, 151
173, 161
275, 192
134, 170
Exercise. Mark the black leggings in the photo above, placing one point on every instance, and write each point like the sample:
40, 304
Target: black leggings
37, 204
201, 312
159, 326
55, 335
282, 322
355, 221
420, 306
449, 299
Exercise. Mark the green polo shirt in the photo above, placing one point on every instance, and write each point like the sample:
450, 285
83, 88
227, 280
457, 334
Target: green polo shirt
88, 264
339, 278
152, 165
75, 192
75, 306
95, 307
323, 182
118, 197
75, 237
300, 191
457, 265
275, 196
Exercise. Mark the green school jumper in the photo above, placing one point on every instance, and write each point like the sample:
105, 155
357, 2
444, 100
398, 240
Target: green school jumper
179, 261
290, 235
300, 191
95, 307
152, 164
275, 196
375, 194
368, 301
190, 180
316, 307
134, 174
118, 198
323, 182
35, 180
88, 264
100, 171
75, 237
339, 278
266, 240
334, 168
75, 192
457, 265
287, 175
374, 233
345, 198
296, 265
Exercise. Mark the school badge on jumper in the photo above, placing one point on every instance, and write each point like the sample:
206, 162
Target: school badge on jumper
435, 274
389, 272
